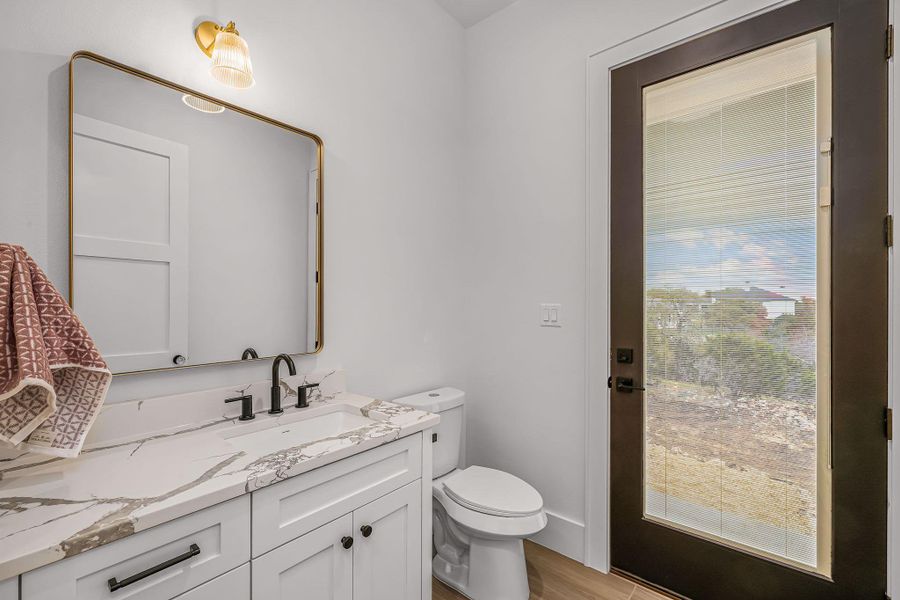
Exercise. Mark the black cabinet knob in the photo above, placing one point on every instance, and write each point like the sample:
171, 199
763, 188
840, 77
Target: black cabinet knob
366, 530
179, 359
347, 542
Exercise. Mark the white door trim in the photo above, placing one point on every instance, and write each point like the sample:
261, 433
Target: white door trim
715, 15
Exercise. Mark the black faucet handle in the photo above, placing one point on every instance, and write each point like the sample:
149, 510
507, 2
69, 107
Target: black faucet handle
302, 401
246, 406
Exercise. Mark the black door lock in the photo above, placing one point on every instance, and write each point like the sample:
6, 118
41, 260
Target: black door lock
625, 355
626, 385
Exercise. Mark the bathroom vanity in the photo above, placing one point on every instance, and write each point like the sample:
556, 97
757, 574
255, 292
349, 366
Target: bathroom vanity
176, 199
171, 499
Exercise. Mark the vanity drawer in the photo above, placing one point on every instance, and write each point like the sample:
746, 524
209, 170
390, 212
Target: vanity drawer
234, 585
287, 510
220, 536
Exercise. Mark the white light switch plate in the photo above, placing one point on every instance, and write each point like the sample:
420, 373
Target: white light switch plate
551, 315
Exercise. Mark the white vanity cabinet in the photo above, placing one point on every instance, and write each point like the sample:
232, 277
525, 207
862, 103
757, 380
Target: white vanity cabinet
339, 561
287, 510
315, 566
234, 585
387, 563
355, 529
193, 550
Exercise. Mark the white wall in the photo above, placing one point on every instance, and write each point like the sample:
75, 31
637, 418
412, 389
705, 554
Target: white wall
379, 81
525, 106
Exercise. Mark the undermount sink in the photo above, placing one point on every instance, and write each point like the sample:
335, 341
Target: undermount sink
269, 434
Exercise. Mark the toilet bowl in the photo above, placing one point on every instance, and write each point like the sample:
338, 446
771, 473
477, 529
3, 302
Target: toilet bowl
480, 515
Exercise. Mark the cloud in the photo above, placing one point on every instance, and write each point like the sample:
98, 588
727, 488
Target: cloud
685, 237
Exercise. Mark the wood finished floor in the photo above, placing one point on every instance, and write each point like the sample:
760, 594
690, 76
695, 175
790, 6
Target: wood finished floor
552, 576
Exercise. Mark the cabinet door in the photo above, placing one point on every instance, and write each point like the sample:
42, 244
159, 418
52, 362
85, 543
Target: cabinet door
387, 564
314, 566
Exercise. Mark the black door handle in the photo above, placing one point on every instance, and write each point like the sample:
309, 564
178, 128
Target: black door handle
347, 542
366, 530
626, 384
117, 585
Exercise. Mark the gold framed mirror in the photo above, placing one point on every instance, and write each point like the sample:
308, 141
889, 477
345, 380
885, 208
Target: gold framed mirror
195, 226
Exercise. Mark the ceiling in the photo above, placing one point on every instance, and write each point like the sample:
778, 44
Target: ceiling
469, 12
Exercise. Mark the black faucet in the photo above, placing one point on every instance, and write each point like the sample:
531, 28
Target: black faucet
276, 409
246, 407
249, 353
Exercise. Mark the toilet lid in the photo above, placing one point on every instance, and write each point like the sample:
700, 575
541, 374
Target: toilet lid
493, 492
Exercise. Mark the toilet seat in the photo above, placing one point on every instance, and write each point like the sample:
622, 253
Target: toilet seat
483, 525
493, 492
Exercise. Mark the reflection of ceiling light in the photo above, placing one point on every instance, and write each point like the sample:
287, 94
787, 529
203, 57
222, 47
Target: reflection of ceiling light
201, 104
229, 53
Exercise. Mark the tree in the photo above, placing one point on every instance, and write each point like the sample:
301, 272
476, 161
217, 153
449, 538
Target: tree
724, 340
749, 366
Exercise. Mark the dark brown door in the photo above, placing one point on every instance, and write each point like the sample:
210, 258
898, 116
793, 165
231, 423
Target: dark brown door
749, 309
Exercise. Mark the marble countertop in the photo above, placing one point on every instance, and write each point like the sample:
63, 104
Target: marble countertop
53, 508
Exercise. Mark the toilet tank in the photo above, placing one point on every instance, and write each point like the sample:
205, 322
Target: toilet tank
448, 403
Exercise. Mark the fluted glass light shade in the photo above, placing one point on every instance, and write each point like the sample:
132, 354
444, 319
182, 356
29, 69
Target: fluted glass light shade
231, 60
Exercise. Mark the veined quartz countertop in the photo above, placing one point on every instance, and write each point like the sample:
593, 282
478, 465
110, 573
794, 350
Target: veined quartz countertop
52, 508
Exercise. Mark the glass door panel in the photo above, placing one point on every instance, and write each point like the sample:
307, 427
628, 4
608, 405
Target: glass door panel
737, 203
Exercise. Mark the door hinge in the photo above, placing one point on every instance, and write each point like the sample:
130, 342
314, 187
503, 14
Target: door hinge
889, 424
889, 43
889, 231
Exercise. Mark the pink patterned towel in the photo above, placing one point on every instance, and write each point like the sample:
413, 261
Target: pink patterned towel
53, 379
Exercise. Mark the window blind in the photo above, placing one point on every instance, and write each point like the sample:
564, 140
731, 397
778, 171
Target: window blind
730, 264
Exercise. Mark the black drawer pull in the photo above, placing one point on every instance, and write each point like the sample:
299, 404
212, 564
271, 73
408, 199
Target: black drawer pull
116, 585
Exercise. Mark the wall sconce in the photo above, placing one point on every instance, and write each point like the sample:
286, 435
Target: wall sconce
229, 53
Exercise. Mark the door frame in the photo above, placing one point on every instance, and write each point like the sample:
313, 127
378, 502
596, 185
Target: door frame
714, 16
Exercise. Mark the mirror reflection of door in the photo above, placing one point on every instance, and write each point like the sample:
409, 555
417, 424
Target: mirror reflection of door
733, 452
130, 245
312, 252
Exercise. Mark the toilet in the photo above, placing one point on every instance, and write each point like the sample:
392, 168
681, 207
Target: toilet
480, 515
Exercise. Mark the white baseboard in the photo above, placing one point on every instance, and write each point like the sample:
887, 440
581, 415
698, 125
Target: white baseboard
562, 535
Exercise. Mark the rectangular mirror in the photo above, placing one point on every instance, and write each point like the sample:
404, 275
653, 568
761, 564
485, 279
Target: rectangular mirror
195, 225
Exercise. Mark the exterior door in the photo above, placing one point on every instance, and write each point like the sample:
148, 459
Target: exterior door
387, 555
130, 244
749, 308
315, 566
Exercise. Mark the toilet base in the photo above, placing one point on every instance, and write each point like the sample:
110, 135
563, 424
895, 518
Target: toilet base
495, 571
